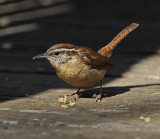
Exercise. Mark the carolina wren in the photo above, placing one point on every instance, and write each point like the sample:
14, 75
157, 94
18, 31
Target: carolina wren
83, 67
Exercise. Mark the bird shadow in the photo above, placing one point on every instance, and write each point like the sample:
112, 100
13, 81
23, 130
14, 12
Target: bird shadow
110, 91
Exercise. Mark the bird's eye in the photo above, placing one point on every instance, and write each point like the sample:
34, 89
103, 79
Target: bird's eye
56, 53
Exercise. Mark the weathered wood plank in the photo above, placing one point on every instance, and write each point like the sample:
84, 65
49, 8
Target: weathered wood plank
44, 115
29, 89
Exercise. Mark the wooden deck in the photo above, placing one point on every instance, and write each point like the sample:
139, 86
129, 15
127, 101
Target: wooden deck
29, 89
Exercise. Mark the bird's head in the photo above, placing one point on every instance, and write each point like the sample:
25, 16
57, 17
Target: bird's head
58, 54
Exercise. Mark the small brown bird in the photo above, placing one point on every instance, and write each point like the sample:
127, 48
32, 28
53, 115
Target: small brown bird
83, 67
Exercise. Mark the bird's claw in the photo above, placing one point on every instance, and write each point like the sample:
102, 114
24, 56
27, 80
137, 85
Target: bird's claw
98, 97
76, 97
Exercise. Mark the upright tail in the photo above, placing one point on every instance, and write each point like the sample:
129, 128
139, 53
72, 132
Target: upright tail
107, 50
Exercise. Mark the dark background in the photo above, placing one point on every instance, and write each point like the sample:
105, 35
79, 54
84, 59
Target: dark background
30, 27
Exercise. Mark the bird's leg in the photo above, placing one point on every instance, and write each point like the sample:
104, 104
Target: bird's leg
99, 96
76, 95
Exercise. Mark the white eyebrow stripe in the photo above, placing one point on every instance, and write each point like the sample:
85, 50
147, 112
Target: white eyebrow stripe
64, 49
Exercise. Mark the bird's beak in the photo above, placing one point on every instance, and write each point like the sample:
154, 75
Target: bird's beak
41, 56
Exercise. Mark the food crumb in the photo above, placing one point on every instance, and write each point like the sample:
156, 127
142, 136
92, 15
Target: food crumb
72, 103
65, 102
146, 119
64, 106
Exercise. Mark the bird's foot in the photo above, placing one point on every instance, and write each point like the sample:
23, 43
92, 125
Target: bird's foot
98, 97
76, 96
